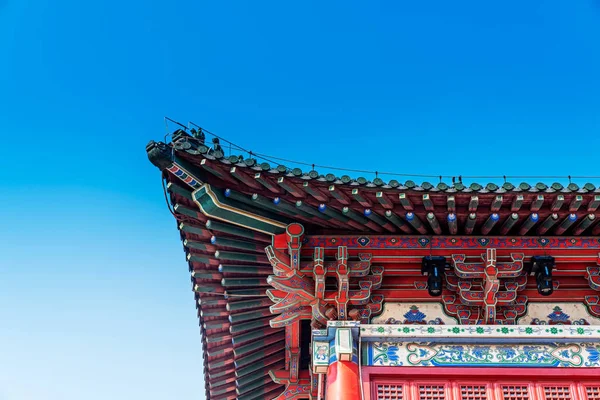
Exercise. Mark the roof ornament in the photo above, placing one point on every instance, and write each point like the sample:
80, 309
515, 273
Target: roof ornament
198, 134
216, 146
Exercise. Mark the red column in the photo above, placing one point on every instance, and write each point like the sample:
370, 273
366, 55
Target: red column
343, 381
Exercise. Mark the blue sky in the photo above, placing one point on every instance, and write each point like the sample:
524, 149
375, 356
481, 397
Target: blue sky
95, 298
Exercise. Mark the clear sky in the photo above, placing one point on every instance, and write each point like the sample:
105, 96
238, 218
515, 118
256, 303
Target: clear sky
95, 299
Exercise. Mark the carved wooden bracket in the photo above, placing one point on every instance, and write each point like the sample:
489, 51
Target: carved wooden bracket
486, 292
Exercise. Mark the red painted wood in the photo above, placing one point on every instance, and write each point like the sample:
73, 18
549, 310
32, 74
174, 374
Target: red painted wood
426, 383
460, 372
343, 381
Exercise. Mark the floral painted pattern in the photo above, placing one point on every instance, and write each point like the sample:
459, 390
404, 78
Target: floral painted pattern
385, 354
433, 332
444, 355
415, 316
562, 313
558, 317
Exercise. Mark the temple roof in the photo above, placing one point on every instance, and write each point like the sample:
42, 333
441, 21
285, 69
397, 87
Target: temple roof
229, 267
332, 204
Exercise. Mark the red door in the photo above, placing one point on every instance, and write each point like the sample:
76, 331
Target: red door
481, 384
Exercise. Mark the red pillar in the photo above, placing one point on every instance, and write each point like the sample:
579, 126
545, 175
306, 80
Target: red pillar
343, 381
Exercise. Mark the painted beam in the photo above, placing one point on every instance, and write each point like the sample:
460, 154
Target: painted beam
201, 258
219, 207
194, 230
180, 191
217, 324
246, 326
547, 224
240, 256
517, 203
289, 208
245, 269
248, 304
361, 199
565, 224
338, 195
257, 356
206, 274
405, 201
584, 224
246, 292
310, 210
537, 203
433, 222
415, 222
427, 203
205, 164
269, 204
509, 223
384, 200
350, 213
220, 241
263, 372
473, 204
200, 246
470, 223
379, 220
236, 231
452, 223
181, 209
237, 196
489, 223
266, 182
257, 384
529, 223
244, 282
291, 187
252, 336
594, 204
557, 203
575, 203
315, 192
451, 204
249, 316
245, 179
206, 287
212, 302
338, 216
396, 220
496, 204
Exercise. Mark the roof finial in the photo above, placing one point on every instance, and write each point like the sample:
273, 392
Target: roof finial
569, 179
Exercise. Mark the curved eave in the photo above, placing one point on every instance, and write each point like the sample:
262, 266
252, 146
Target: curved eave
228, 270
337, 205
